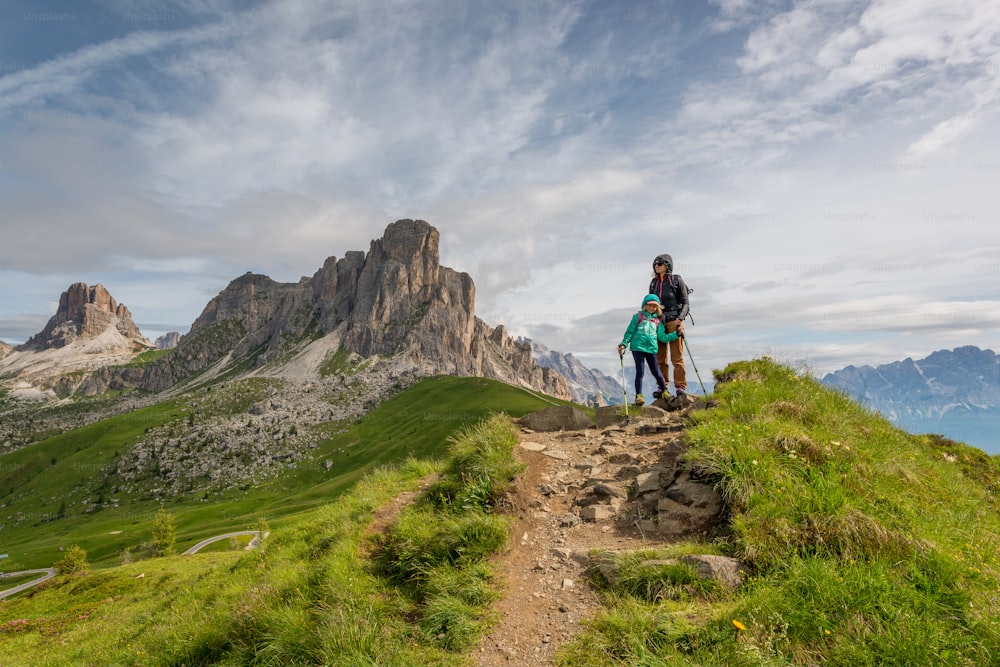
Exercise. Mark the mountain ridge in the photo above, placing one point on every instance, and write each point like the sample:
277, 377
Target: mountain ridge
394, 304
956, 392
588, 385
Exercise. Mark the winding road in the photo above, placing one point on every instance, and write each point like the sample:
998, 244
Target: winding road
204, 543
50, 572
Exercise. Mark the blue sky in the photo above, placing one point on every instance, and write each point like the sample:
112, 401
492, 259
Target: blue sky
824, 173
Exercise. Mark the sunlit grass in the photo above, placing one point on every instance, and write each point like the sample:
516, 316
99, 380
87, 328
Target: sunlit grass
864, 545
310, 595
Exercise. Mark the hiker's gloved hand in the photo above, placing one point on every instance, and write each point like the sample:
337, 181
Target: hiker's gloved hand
680, 333
621, 350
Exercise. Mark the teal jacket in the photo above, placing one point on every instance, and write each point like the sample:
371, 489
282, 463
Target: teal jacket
643, 336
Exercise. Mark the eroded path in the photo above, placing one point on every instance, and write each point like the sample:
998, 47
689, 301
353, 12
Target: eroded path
593, 489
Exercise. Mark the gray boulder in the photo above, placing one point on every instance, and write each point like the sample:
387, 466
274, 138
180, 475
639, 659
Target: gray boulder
558, 418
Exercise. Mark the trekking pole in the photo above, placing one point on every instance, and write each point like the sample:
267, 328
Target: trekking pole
621, 358
695, 367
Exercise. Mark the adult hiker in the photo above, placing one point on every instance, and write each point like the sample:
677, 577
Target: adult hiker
672, 292
644, 333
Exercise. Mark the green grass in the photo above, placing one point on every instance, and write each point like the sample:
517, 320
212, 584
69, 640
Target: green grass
415, 423
339, 363
865, 545
146, 358
324, 591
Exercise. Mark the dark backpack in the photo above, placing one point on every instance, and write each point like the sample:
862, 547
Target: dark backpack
689, 291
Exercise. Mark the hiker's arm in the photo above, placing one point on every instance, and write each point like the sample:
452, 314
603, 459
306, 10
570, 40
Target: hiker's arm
627, 338
663, 336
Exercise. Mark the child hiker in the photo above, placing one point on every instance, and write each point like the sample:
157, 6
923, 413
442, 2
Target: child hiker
643, 335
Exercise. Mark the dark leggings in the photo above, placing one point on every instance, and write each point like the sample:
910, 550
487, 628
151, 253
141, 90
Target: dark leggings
650, 360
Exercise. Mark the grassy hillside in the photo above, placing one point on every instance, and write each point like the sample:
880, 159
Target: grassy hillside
57, 476
325, 592
864, 545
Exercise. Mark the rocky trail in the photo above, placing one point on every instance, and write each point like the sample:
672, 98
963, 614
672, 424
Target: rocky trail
615, 488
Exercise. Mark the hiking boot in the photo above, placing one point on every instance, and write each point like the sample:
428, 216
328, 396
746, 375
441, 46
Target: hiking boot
681, 393
639, 401
657, 394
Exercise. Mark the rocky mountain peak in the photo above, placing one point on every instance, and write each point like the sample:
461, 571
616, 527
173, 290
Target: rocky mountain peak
85, 312
394, 302
167, 341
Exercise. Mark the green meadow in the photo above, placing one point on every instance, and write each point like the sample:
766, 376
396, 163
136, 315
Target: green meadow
861, 545
34, 480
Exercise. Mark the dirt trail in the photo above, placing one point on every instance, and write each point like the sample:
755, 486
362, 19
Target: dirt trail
547, 596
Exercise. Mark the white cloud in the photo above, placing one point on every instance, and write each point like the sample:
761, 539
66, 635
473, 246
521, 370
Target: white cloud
839, 162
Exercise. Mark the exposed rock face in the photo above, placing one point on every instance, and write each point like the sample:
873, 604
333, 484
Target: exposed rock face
395, 301
558, 418
85, 312
5, 349
167, 341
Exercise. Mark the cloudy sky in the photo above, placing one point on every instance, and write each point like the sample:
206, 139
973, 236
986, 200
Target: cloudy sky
821, 171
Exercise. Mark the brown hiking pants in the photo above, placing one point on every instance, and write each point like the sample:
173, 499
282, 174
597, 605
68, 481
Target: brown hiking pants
674, 352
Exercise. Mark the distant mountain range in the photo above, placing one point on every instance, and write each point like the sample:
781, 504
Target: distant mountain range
394, 305
952, 392
589, 386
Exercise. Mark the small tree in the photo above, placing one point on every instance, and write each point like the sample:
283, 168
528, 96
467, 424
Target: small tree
164, 534
74, 561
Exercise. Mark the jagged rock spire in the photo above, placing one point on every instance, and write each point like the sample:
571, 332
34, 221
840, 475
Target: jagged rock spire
395, 301
85, 312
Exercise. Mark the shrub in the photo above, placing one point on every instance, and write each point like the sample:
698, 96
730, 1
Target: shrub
164, 533
74, 561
